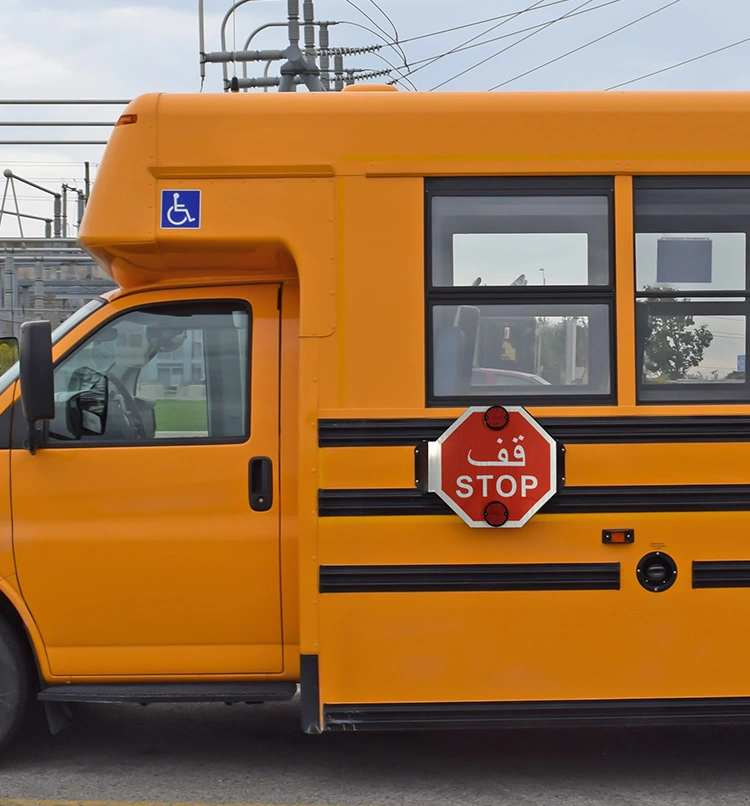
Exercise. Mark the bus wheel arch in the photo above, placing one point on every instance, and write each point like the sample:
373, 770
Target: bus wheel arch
17, 679
17, 651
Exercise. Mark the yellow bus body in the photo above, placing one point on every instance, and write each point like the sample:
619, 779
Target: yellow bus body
127, 565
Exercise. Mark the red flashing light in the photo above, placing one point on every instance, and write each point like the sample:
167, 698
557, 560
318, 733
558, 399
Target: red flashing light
496, 513
496, 418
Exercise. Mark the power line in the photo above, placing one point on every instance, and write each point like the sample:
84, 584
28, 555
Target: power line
53, 142
390, 43
536, 27
586, 45
25, 124
679, 64
511, 14
395, 32
466, 46
460, 47
41, 162
393, 24
397, 70
368, 17
24, 102
379, 27
513, 45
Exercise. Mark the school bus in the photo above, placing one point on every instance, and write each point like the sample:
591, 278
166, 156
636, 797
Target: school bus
209, 484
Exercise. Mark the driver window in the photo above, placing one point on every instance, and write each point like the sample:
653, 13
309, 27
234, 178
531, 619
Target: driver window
159, 373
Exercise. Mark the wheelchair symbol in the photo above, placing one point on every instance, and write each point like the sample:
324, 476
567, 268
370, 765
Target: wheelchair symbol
178, 214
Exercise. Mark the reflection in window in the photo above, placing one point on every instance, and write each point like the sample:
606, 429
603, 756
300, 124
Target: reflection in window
519, 259
691, 273
684, 346
169, 371
529, 349
701, 261
520, 240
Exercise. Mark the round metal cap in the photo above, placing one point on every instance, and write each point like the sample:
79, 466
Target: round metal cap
656, 571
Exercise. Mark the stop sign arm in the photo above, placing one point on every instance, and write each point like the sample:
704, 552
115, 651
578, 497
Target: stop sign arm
426, 465
461, 468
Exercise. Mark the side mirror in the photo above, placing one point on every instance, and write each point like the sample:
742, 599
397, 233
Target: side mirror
86, 410
35, 371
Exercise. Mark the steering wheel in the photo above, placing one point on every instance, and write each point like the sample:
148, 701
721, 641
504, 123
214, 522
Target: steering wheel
129, 408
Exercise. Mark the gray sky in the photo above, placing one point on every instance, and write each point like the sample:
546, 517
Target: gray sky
117, 49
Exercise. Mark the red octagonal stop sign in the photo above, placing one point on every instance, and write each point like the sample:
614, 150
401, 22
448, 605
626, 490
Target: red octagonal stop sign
494, 466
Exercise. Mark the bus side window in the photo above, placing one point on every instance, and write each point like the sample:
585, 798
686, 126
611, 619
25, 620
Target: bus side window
171, 372
691, 288
519, 290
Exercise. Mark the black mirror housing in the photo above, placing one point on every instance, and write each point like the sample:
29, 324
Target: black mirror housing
86, 411
35, 371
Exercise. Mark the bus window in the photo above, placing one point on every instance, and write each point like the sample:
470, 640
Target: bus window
171, 371
691, 288
546, 349
519, 289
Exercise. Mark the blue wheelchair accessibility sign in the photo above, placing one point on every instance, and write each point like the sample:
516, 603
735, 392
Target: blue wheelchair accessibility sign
180, 209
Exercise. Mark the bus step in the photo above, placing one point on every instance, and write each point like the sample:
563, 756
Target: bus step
170, 692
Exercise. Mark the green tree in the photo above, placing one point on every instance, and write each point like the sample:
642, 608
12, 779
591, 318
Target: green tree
8, 355
674, 344
553, 336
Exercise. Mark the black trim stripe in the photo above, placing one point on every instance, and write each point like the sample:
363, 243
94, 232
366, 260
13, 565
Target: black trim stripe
435, 578
568, 713
143, 693
374, 433
726, 574
570, 430
682, 498
340, 503
309, 691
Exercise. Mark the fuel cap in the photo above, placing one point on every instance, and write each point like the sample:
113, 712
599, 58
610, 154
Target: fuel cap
656, 571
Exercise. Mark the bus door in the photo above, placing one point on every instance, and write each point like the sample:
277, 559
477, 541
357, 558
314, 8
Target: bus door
147, 531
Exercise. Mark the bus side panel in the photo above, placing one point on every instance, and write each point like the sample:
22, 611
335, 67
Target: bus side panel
375, 360
405, 642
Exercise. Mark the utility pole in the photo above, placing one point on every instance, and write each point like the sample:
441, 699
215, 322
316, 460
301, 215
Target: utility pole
57, 199
300, 65
309, 18
338, 72
297, 64
325, 62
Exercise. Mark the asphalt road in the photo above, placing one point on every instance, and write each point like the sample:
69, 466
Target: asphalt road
240, 754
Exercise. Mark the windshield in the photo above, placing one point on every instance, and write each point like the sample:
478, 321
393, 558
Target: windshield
7, 378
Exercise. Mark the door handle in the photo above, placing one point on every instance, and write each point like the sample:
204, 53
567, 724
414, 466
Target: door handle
261, 483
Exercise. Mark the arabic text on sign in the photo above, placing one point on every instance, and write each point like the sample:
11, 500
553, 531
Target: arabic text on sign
503, 458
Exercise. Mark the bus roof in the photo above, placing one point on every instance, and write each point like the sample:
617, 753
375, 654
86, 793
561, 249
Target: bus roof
236, 148
405, 133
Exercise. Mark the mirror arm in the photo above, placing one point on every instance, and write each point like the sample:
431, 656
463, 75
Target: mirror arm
35, 438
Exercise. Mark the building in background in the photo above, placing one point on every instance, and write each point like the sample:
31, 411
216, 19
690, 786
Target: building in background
45, 278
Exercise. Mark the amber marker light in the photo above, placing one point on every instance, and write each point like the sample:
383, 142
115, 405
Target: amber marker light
618, 536
125, 120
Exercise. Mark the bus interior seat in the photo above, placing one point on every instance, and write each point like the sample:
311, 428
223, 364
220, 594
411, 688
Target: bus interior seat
455, 344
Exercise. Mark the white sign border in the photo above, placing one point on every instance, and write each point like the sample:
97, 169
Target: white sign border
180, 228
435, 468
